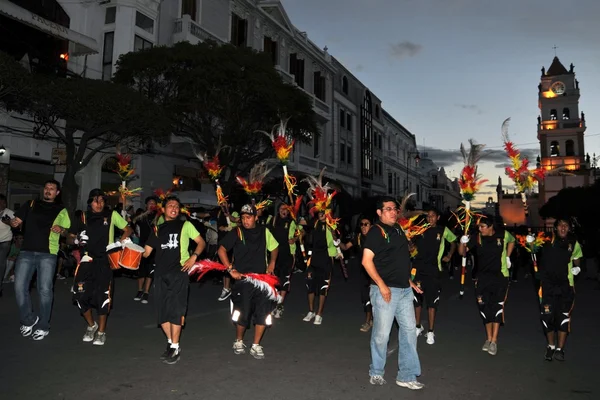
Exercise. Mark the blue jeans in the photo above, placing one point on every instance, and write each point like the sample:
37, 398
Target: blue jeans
27, 263
400, 308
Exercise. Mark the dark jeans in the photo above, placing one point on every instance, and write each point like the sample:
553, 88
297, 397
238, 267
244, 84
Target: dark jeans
4, 250
27, 264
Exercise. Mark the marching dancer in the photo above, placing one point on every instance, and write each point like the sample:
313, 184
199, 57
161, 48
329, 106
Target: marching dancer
92, 285
144, 225
559, 262
249, 244
365, 282
428, 264
493, 249
171, 280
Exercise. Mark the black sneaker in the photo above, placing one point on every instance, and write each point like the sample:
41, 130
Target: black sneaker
144, 298
559, 355
173, 356
138, 296
549, 354
165, 354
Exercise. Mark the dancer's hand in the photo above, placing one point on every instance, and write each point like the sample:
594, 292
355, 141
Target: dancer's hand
508, 263
386, 293
530, 238
415, 287
235, 275
575, 270
464, 239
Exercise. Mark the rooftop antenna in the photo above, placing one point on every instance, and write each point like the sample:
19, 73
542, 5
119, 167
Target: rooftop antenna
554, 47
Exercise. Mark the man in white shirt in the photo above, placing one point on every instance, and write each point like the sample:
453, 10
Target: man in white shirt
5, 236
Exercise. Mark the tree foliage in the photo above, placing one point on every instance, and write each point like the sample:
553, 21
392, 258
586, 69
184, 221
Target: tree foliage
87, 116
220, 95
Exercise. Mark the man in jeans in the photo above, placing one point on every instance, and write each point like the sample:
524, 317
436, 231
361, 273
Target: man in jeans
5, 236
386, 259
43, 222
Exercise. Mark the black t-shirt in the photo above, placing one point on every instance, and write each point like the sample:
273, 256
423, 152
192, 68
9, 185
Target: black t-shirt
428, 248
97, 227
249, 248
392, 258
38, 218
171, 245
555, 260
490, 253
281, 232
145, 226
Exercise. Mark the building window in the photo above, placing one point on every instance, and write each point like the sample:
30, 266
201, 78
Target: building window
554, 149
319, 86
316, 146
566, 113
342, 118
239, 29
366, 135
376, 110
380, 168
570, 148
107, 55
144, 22
188, 7
111, 15
375, 166
390, 183
553, 115
349, 154
297, 69
349, 121
342, 152
345, 85
270, 47
140, 43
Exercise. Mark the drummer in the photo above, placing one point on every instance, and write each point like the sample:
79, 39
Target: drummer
171, 280
92, 284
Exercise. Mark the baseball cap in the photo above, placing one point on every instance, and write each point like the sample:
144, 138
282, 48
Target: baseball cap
248, 209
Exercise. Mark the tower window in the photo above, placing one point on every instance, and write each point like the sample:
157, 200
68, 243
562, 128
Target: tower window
566, 113
554, 149
553, 115
342, 118
570, 148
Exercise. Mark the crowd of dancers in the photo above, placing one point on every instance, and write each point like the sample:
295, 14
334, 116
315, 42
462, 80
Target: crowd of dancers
258, 254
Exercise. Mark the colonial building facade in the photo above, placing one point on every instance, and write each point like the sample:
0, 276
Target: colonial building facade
365, 150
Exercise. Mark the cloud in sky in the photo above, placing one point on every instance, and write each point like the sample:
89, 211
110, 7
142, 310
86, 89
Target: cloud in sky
405, 49
470, 107
359, 68
445, 158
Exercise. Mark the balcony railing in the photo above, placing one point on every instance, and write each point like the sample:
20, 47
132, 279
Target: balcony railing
185, 29
562, 124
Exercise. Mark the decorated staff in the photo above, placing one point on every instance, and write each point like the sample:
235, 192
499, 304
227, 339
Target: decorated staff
533, 245
523, 177
412, 226
267, 283
214, 169
470, 182
283, 144
253, 186
126, 172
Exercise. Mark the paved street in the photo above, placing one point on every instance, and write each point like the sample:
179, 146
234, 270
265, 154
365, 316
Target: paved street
302, 361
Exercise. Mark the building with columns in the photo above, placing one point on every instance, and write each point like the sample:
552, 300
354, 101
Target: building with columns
360, 144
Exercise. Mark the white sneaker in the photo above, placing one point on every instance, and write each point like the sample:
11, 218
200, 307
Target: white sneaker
430, 338
90, 332
100, 339
377, 380
309, 316
39, 334
256, 351
239, 347
413, 385
318, 320
420, 331
225, 293
27, 330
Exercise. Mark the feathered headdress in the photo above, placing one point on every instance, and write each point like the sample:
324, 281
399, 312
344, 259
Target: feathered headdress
282, 143
254, 184
470, 181
519, 171
409, 220
321, 196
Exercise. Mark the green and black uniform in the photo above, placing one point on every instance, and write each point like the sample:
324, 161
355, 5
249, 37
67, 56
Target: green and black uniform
558, 293
38, 219
93, 280
171, 284
491, 287
249, 248
320, 264
144, 228
428, 264
365, 281
283, 230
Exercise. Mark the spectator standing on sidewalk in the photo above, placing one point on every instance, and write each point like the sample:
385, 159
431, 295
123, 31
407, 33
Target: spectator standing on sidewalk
5, 236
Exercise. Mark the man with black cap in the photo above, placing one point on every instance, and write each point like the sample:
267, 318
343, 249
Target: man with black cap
250, 244
43, 222
493, 249
144, 225
92, 284
171, 280
559, 262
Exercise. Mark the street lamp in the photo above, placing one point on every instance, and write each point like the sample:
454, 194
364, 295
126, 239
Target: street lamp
417, 159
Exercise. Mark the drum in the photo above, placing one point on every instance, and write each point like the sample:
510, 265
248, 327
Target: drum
132, 256
114, 251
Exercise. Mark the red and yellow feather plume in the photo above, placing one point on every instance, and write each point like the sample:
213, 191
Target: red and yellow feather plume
523, 177
282, 142
540, 239
470, 181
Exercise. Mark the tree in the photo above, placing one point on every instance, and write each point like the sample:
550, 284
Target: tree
220, 94
88, 116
